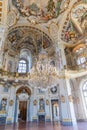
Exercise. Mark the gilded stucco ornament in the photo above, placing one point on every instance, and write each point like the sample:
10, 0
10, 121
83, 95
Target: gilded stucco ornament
12, 18
62, 98
11, 102
53, 30
35, 102
47, 102
70, 98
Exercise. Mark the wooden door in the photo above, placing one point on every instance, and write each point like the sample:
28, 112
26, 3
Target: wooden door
23, 110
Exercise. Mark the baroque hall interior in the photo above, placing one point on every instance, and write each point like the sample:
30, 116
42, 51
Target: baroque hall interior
43, 64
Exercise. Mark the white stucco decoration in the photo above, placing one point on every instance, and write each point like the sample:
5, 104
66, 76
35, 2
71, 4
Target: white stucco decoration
23, 96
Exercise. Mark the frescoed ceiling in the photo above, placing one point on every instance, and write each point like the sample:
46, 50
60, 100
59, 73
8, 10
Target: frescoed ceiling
62, 20
27, 37
43, 10
75, 27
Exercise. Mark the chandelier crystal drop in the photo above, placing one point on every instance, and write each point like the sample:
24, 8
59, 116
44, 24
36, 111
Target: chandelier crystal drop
43, 76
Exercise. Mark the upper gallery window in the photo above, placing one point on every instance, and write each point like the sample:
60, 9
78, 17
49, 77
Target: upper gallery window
80, 55
22, 67
81, 60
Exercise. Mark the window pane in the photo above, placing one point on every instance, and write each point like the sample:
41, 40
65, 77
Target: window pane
82, 59
19, 71
78, 61
22, 66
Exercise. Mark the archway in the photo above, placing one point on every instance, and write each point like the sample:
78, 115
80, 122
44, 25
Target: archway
22, 103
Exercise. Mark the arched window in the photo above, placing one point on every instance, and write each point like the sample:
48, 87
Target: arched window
22, 67
81, 60
80, 56
84, 89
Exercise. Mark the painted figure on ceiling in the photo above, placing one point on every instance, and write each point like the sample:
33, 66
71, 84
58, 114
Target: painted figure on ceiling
51, 6
57, 8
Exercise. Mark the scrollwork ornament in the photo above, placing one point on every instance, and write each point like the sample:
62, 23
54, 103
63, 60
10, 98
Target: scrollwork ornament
11, 18
53, 29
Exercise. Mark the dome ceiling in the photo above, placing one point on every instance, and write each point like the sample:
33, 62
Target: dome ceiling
27, 37
43, 10
70, 29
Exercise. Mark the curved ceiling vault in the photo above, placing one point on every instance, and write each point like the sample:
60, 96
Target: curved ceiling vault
41, 10
27, 37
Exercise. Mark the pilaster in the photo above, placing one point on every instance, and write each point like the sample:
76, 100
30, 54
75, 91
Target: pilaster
67, 107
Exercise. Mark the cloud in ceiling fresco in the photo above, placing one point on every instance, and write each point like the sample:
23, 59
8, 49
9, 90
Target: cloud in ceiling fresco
44, 10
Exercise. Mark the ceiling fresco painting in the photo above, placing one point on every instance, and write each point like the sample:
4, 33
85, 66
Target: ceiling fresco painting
79, 16
48, 14
28, 37
44, 10
75, 27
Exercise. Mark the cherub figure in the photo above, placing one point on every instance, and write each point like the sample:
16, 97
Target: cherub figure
50, 6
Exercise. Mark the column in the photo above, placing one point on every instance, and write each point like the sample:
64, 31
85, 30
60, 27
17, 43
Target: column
11, 106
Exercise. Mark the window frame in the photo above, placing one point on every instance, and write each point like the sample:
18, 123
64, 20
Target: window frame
21, 68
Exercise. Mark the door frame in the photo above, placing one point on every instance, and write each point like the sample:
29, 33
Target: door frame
57, 101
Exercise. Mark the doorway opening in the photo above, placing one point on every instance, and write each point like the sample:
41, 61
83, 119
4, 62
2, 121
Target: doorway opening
22, 104
22, 116
55, 110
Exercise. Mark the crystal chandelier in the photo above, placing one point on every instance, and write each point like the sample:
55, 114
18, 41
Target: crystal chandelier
43, 76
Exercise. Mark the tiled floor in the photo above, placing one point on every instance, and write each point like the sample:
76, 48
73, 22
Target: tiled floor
42, 126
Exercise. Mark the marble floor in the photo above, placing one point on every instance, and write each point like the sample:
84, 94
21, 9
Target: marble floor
43, 126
